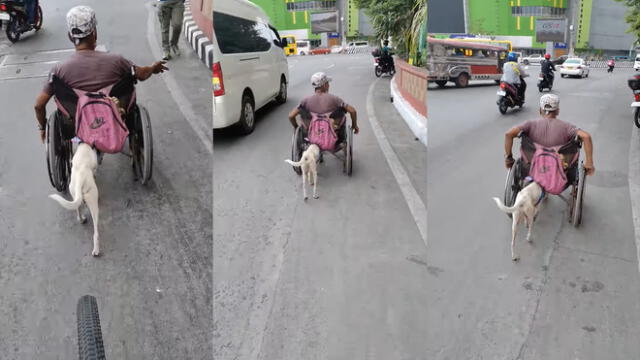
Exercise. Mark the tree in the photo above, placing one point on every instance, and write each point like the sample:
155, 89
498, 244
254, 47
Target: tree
633, 16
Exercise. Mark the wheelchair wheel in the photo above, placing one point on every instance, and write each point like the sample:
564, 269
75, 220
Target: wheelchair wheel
90, 344
297, 147
141, 144
348, 151
512, 185
578, 195
58, 153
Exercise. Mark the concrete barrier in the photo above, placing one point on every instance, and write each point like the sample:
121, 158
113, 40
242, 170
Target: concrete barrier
409, 92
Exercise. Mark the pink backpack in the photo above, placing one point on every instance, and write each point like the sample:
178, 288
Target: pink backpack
547, 170
98, 121
321, 132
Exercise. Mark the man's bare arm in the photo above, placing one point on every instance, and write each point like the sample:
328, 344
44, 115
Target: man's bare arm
292, 117
354, 118
144, 72
588, 149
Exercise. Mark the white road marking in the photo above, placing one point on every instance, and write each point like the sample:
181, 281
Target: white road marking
634, 187
416, 206
330, 66
196, 122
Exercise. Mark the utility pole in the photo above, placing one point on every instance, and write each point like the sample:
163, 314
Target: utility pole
573, 10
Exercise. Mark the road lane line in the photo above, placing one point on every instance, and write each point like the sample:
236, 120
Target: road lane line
416, 206
196, 122
330, 66
634, 187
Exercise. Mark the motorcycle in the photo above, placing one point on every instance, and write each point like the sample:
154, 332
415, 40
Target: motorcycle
508, 97
634, 84
383, 67
610, 69
545, 82
17, 22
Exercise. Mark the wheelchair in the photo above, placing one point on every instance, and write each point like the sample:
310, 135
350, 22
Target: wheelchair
60, 130
576, 176
343, 149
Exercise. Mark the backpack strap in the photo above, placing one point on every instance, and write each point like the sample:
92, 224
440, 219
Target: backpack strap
515, 67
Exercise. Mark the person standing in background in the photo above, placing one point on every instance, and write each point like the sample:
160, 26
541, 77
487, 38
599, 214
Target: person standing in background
170, 13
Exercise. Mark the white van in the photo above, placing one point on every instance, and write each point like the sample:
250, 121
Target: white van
249, 65
303, 47
636, 64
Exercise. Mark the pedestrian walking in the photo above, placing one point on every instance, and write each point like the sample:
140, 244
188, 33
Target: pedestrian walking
170, 13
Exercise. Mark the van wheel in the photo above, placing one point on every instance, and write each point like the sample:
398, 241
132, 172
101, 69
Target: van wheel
282, 95
247, 116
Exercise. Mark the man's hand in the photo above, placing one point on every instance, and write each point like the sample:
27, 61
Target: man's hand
158, 67
509, 161
356, 129
42, 136
589, 169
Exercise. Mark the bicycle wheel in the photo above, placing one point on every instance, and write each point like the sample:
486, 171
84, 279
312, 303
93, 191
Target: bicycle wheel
90, 345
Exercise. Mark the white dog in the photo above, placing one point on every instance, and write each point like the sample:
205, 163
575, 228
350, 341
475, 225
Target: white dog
525, 208
309, 165
83, 188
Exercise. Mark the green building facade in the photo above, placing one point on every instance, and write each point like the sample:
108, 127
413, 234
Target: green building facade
513, 17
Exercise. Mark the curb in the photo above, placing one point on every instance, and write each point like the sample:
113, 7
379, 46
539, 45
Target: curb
198, 40
417, 123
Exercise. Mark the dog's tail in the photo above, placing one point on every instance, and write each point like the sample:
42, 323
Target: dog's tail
70, 205
509, 210
292, 163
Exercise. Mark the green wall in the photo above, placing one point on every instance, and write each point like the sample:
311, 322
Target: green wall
493, 17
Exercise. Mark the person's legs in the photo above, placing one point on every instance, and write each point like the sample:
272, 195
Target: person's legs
30, 6
164, 15
177, 15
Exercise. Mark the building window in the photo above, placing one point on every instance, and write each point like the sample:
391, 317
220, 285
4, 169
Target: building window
537, 11
312, 5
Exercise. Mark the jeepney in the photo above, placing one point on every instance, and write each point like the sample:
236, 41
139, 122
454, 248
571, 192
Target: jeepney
460, 62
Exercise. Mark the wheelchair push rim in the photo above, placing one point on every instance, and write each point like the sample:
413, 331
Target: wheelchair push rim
577, 201
58, 154
511, 188
141, 143
296, 148
348, 151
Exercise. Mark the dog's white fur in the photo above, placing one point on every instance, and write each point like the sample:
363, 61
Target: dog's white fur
309, 165
83, 188
525, 208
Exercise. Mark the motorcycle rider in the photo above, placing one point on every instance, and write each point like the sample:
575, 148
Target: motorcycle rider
386, 57
514, 74
547, 69
611, 64
30, 9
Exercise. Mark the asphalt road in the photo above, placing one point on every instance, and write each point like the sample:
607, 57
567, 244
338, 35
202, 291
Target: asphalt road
341, 277
153, 282
574, 293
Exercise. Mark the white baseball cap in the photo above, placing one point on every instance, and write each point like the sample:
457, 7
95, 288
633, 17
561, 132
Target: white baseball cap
549, 102
318, 79
81, 21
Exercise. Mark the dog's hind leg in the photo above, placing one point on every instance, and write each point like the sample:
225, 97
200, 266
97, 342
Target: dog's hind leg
315, 185
529, 227
514, 231
304, 185
91, 200
82, 219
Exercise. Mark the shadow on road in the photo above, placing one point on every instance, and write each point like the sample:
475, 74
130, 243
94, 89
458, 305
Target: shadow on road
230, 134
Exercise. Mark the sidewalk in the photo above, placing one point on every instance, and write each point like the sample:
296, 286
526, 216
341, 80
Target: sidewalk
411, 152
409, 93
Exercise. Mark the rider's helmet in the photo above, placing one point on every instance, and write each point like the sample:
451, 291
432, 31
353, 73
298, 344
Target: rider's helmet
512, 56
81, 22
547, 56
386, 42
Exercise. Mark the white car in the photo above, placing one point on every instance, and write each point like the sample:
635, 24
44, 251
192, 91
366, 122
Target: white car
574, 67
532, 59
303, 47
336, 49
250, 68
636, 64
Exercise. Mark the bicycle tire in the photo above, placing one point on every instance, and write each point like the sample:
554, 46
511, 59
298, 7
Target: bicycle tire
90, 343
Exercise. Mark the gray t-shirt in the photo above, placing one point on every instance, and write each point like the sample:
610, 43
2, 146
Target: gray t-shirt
548, 131
322, 103
90, 70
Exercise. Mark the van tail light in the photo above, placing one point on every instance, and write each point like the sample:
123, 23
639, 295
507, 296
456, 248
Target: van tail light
503, 86
637, 97
3, 7
218, 82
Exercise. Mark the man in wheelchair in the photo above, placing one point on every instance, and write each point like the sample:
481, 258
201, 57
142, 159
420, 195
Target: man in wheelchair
549, 131
321, 102
88, 69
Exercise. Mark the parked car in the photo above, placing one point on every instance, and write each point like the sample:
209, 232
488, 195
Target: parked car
636, 63
532, 59
319, 50
337, 49
250, 67
303, 47
574, 67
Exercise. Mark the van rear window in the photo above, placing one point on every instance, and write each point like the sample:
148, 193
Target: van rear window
236, 35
